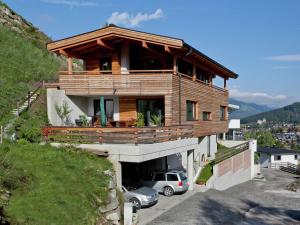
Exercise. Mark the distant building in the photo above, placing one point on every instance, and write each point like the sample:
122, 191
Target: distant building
263, 121
269, 156
234, 125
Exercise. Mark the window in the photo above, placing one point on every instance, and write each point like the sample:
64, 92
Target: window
185, 67
277, 157
149, 108
223, 113
159, 177
202, 75
105, 64
296, 157
191, 110
172, 177
206, 116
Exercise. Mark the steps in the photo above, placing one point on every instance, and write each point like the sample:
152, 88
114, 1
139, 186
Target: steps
17, 111
290, 168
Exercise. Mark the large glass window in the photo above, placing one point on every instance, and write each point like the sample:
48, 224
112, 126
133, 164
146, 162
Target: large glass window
202, 75
185, 67
109, 108
191, 110
151, 108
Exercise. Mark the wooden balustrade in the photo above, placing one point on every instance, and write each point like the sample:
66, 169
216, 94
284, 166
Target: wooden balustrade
131, 135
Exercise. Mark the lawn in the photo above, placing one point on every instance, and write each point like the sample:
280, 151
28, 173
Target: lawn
52, 186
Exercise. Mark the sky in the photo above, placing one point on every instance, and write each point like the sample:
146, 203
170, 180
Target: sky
258, 39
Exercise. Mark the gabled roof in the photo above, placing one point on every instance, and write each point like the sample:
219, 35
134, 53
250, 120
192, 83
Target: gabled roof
274, 151
115, 31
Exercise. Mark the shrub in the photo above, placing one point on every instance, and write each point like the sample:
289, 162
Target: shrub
205, 173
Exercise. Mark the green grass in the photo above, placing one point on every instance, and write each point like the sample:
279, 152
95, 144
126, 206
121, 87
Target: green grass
205, 173
22, 64
52, 186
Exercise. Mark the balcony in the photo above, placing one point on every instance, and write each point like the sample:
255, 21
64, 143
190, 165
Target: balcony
130, 135
142, 82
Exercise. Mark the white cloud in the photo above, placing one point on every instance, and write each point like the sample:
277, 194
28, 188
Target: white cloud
71, 3
126, 19
285, 58
261, 98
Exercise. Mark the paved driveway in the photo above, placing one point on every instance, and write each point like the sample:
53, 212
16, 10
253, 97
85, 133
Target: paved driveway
253, 202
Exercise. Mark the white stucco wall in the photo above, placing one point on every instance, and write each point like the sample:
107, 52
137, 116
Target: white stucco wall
285, 158
77, 104
234, 124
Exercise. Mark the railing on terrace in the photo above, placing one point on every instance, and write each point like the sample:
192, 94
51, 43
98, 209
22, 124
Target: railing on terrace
74, 75
131, 135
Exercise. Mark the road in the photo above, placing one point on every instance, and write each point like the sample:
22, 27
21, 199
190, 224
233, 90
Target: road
250, 203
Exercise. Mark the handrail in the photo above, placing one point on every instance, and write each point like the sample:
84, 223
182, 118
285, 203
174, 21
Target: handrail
99, 72
128, 135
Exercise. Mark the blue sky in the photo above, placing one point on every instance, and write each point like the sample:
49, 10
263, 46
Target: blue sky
258, 39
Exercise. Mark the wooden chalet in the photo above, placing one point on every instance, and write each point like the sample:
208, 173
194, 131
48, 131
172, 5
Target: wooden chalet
139, 73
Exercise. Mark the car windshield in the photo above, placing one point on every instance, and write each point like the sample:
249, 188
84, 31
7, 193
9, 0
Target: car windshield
182, 176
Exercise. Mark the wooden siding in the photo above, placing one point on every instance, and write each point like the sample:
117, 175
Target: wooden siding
209, 99
128, 111
107, 84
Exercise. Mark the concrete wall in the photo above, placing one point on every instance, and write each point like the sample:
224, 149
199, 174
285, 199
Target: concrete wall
235, 170
77, 104
234, 124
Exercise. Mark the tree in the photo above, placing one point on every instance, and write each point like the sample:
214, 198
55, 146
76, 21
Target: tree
63, 112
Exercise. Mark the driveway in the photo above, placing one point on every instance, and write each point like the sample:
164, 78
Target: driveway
253, 202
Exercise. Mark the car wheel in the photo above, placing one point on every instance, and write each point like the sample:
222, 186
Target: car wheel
136, 203
168, 191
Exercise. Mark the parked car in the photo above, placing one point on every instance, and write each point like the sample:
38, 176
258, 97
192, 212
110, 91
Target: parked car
167, 183
141, 197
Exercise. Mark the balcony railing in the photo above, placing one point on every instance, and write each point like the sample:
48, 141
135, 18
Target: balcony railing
131, 135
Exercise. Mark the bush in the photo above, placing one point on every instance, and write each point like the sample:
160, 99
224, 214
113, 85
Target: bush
205, 174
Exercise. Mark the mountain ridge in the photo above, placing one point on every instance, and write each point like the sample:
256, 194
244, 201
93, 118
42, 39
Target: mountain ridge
286, 114
247, 109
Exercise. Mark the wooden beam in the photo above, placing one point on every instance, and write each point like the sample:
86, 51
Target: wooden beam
167, 49
70, 65
103, 44
68, 53
225, 83
145, 45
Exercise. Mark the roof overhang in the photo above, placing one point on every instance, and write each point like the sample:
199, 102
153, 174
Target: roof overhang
99, 36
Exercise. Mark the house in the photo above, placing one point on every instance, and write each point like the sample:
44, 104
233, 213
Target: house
234, 126
147, 100
269, 157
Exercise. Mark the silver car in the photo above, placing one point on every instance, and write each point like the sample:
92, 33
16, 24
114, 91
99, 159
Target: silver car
167, 183
141, 197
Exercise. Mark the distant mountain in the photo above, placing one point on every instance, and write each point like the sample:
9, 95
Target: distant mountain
247, 109
286, 114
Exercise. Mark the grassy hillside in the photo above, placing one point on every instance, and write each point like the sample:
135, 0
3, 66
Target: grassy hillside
22, 63
287, 114
52, 186
247, 109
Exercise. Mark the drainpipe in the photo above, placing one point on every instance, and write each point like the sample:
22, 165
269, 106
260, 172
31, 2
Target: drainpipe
179, 100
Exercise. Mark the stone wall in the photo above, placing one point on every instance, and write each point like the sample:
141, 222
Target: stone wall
111, 212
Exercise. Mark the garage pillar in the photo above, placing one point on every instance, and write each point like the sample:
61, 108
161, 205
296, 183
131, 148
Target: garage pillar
190, 168
118, 171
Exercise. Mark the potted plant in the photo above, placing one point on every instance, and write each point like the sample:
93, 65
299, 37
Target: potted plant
140, 121
156, 120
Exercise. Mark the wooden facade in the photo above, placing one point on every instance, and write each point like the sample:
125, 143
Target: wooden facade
150, 66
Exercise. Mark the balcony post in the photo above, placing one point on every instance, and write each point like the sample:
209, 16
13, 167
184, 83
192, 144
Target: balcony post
194, 72
70, 65
175, 64
225, 83
190, 168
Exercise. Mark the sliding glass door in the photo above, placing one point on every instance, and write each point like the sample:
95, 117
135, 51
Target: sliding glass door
152, 110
